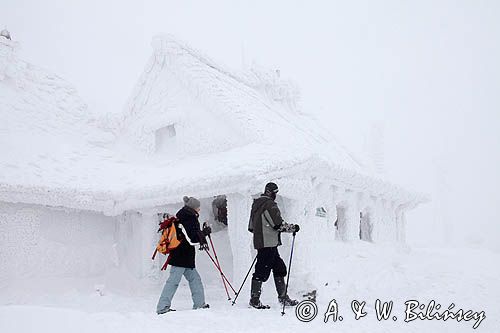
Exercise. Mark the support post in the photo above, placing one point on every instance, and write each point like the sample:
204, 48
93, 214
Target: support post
238, 209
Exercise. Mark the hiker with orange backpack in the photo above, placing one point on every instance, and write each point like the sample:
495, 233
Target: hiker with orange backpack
182, 257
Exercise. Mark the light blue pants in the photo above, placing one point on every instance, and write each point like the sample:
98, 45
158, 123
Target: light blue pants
194, 279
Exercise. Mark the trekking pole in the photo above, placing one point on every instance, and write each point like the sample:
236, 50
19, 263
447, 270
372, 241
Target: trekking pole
289, 271
222, 273
223, 277
220, 268
244, 280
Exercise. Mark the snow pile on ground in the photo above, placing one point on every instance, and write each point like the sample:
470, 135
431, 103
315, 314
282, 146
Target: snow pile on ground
358, 271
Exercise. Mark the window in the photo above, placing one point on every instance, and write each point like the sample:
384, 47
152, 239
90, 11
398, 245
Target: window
164, 139
321, 212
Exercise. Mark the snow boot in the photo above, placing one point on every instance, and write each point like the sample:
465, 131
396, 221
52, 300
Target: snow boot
279, 282
287, 301
255, 295
165, 311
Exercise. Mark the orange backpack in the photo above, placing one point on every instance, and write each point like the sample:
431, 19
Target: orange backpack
168, 239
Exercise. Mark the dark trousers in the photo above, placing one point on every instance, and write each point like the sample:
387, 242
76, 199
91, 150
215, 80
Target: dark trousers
268, 259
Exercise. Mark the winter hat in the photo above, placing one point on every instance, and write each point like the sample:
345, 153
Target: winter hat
191, 202
271, 188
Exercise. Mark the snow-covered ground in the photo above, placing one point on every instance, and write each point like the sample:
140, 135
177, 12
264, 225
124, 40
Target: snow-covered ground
345, 272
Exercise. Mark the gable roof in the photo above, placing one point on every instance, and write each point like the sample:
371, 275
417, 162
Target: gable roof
230, 133
178, 79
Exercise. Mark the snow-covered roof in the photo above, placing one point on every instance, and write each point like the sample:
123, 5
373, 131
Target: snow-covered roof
214, 110
228, 132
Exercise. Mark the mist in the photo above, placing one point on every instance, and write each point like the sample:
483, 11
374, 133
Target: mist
425, 72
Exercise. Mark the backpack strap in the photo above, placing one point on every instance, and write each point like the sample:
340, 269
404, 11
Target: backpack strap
154, 254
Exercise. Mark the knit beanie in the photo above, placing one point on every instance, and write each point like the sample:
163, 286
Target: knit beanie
192, 202
271, 188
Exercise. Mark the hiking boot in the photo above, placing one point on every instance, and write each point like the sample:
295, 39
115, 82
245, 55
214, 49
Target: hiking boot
279, 282
287, 301
204, 306
257, 304
165, 311
255, 295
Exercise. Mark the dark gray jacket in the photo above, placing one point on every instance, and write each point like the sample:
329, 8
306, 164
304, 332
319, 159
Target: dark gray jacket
266, 223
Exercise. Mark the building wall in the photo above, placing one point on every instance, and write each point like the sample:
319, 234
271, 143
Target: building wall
41, 241
136, 238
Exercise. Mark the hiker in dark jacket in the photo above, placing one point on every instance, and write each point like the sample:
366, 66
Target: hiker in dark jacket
182, 260
266, 224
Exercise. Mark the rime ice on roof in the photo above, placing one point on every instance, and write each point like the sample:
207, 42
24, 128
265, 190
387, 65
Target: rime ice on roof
190, 125
212, 109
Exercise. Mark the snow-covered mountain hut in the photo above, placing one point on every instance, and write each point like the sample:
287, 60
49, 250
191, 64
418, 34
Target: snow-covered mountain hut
191, 127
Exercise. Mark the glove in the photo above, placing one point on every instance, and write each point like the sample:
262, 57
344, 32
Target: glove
203, 241
206, 230
296, 228
287, 227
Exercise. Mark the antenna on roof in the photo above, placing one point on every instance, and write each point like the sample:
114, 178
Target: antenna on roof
243, 58
375, 146
5, 33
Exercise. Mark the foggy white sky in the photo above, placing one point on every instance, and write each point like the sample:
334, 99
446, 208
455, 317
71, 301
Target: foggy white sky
427, 71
